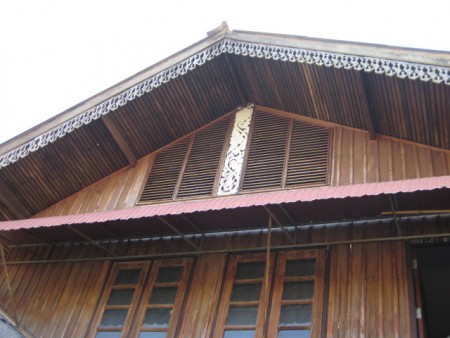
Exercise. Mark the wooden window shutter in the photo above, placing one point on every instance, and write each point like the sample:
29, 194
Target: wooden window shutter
164, 174
308, 155
265, 162
201, 168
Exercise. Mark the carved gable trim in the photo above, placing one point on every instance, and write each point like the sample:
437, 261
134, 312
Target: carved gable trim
387, 67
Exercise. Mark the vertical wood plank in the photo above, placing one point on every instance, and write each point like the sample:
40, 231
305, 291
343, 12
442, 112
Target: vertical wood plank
384, 159
336, 169
345, 151
424, 159
372, 162
397, 161
359, 162
203, 296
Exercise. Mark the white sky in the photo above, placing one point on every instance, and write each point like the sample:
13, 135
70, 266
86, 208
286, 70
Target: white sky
55, 54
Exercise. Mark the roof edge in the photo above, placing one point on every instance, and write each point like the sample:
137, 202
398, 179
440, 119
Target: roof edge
212, 37
406, 54
236, 201
319, 52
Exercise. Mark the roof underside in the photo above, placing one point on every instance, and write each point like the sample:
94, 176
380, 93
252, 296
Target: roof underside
410, 109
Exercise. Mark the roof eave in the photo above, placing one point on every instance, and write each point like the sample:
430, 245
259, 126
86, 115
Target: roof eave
212, 38
416, 56
404, 54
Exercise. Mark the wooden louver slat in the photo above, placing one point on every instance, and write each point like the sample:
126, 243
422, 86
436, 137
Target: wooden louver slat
265, 162
201, 168
164, 174
308, 155
188, 168
282, 153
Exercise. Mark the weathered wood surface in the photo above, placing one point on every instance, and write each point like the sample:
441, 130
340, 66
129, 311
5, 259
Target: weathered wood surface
118, 191
203, 296
354, 160
369, 289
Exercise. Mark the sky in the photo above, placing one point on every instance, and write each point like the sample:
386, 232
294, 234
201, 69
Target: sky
57, 53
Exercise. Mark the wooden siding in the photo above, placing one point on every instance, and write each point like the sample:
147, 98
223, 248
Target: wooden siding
54, 300
203, 296
355, 159
369, 290
118, 191
368, 294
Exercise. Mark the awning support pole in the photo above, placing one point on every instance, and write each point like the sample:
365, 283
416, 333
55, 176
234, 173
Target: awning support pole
291, 219
394, 207
91, 241
169, 225
279, 224
267, 271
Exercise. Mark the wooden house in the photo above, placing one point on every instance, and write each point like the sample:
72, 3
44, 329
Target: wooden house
251, 185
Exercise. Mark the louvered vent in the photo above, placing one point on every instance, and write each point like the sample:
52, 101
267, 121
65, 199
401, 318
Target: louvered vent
164, 173
265, 162
281, 153
188, 168
201, 168
308, 155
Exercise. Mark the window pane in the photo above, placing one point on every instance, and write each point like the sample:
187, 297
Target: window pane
163, 296
114, 318
152, 335
298, 290
127, 277
246, 292
239, 334
242, 315
294, 334
157, 317
108, 335
299, 314
250, 270
121, 297
300, 267
169, 274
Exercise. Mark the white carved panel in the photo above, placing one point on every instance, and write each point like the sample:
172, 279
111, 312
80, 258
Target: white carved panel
234, 161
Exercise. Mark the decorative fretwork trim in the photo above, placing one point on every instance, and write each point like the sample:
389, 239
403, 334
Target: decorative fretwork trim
388, 67
234, 161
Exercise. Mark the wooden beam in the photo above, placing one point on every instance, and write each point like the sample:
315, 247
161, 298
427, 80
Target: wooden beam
109, 232
119, 139
192, 224
93, 242
35, 236
394, 207
369, 115
272, 215
287, 214
10, 200
169, 225
7, 244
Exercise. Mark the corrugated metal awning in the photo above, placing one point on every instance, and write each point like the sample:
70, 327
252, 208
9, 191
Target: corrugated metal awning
235, 201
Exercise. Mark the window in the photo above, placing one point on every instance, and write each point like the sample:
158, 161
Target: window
288, 306
142, 299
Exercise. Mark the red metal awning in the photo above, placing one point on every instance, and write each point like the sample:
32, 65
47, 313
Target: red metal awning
235, 201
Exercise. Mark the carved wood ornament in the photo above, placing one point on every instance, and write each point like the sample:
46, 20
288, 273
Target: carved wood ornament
387, 67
